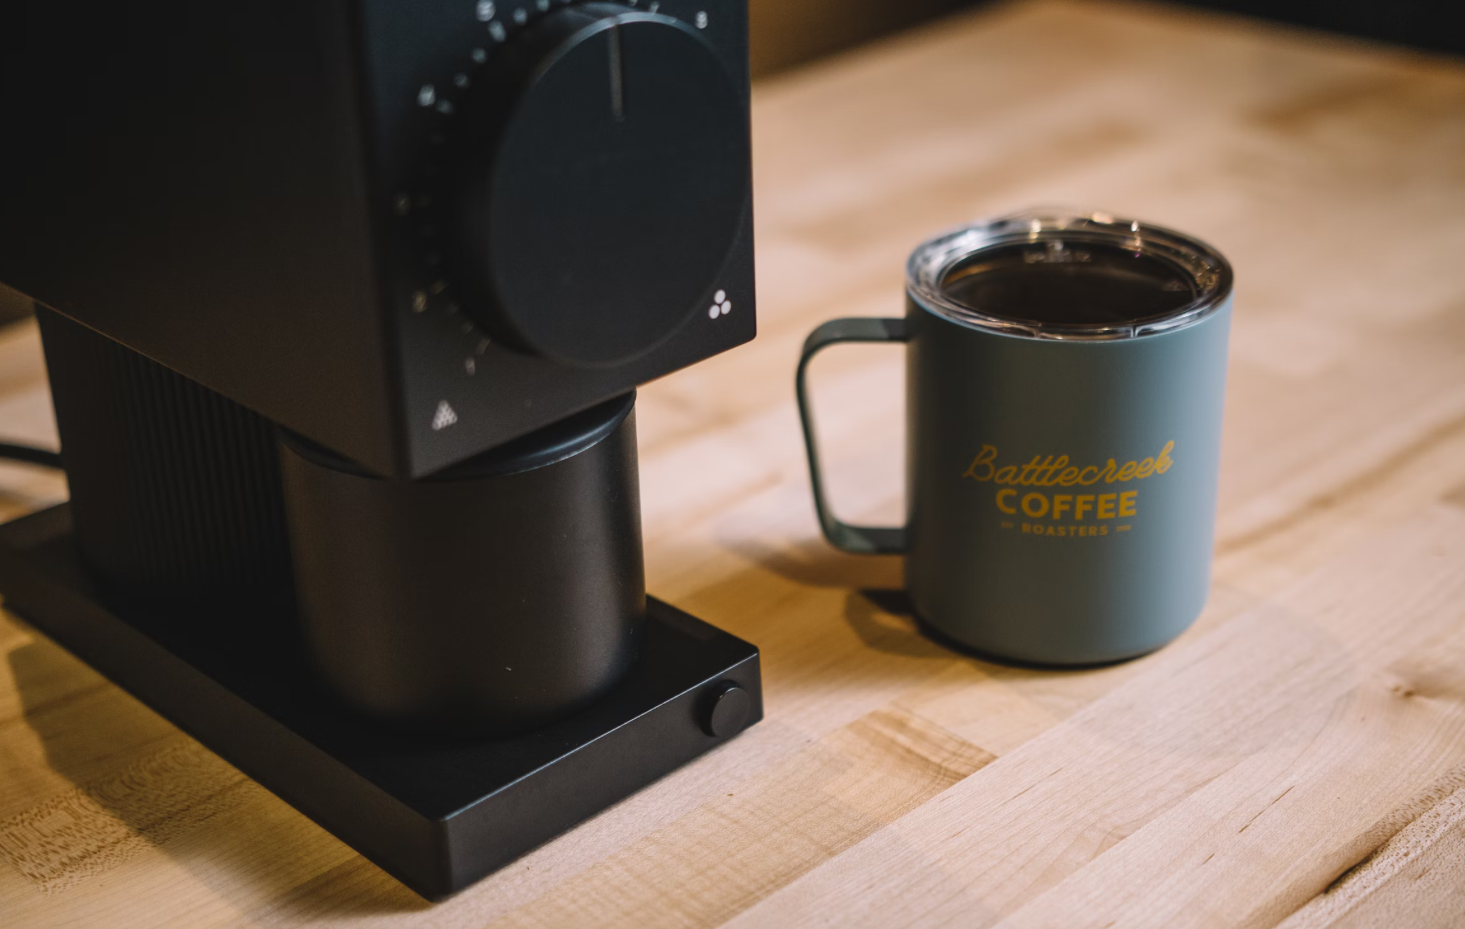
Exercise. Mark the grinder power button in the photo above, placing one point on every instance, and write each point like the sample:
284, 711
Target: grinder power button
726, 713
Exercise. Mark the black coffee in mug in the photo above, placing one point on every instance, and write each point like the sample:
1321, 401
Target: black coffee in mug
1065, 377
1072, 282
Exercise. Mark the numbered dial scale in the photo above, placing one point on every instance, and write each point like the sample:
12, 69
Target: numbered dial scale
568, 204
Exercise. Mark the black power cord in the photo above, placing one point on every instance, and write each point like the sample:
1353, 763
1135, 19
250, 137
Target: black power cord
30, 455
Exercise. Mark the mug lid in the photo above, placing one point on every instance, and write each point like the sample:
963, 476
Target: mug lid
1190, 279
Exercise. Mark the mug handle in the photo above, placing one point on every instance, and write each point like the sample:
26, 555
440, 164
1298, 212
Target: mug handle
862, 540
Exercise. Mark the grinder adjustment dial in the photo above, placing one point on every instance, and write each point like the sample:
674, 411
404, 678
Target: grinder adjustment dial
600, 176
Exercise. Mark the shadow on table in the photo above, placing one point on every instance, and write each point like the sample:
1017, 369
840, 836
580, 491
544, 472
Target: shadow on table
140, 783
877, 607
884, 620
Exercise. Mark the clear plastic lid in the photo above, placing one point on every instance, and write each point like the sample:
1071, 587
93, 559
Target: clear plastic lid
1050, 274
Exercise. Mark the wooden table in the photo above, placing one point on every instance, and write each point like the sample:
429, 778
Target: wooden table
1296, 759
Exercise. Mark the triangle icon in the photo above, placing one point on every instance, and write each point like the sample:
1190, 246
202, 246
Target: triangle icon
444, 417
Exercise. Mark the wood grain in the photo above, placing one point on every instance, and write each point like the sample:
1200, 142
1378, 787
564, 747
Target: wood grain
1296, 759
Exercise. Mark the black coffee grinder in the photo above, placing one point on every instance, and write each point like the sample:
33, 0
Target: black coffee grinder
344, 304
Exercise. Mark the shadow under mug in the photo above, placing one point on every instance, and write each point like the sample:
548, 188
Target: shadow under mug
1065, 377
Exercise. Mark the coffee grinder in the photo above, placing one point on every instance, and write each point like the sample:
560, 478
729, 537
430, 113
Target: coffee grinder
344, 305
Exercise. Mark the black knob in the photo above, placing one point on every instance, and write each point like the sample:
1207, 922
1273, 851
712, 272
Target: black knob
726, 713
601, 180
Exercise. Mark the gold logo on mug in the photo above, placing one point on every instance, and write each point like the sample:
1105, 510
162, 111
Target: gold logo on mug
1056, 471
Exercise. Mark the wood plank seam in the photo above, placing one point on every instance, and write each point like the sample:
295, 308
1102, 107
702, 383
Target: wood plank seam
766, 832
1414, 829
1357, 485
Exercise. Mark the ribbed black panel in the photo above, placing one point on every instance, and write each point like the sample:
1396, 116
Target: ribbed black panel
175, 490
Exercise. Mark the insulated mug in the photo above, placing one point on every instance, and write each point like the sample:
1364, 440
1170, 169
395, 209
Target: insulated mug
1065, 377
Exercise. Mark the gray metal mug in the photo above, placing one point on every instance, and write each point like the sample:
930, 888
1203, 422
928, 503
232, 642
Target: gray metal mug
1065, 377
